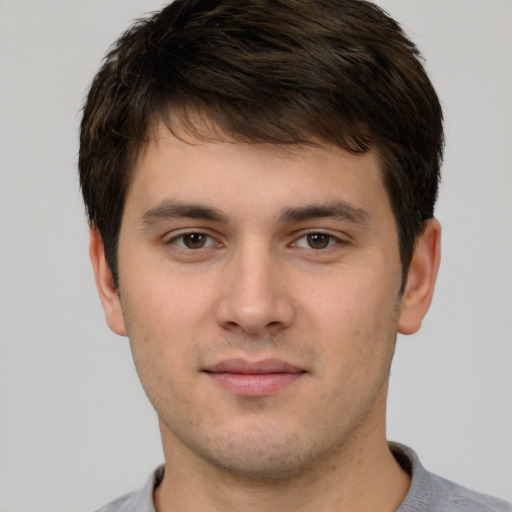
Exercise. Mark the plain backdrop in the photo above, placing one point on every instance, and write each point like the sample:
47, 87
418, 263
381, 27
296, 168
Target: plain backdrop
76, 429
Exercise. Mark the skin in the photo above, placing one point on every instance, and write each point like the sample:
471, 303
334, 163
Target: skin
256, 252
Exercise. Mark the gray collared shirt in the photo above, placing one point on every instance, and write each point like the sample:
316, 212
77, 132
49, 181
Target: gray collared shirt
428, 492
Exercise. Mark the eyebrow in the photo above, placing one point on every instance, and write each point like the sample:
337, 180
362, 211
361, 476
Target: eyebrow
341, 210
177, 209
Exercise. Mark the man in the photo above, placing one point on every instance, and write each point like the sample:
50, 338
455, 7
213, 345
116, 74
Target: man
260, 179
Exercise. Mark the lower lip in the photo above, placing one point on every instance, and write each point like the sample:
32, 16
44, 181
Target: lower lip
254, 384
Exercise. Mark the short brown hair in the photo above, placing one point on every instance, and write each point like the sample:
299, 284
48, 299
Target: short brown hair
282, 71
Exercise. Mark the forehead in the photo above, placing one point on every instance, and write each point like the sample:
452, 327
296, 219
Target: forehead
227, 172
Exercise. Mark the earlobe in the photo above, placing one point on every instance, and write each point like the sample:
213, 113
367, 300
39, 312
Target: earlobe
104, 283
421, 279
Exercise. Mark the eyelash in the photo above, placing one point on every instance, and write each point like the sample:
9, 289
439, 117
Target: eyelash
209, 241
330, 240
325, 241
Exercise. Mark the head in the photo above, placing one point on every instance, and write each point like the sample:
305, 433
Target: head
294, 72
258, 177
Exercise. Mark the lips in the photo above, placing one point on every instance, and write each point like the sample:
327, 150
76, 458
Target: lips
254, 378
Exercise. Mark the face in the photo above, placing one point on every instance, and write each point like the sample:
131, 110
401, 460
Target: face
259, 288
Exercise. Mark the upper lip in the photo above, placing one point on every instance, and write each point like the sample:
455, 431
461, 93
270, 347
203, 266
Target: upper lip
244, 366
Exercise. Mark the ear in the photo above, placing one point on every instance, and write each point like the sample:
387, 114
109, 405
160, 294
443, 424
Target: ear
421, 279
104, 283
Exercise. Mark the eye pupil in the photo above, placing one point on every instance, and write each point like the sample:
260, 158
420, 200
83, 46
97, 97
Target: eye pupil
194, 240
318, 240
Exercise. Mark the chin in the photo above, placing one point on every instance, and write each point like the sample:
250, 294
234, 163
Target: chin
261, 466
261, 456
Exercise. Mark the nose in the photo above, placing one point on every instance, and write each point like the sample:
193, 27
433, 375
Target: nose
255, 293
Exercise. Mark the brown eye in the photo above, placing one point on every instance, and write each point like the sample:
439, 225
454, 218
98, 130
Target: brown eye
194, 240
318, 240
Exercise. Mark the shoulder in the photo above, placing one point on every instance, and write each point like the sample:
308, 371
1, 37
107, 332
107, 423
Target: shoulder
125, 503
451, 497
431, 493
138, 501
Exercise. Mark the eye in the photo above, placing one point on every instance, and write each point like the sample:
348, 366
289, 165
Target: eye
316, 241
193, 241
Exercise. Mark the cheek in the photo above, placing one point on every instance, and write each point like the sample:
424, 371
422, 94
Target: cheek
167, 315
162, 343
151, 312
352, 299
355, 319
164, 300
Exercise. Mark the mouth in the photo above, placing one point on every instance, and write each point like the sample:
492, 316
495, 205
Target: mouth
254, 378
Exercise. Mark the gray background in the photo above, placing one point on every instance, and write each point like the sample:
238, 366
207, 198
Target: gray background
76, 429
